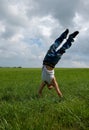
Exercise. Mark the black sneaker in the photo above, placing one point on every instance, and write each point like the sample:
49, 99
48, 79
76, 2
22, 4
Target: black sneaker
62, 36
65, 33
73, 35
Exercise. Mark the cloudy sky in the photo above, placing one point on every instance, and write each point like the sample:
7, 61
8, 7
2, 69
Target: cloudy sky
29, 27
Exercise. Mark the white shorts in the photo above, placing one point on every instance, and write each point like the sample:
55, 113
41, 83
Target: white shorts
47, 75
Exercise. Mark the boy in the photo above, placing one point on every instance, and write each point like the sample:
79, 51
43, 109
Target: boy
51, 59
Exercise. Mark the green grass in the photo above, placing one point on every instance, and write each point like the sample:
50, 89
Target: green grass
21, 109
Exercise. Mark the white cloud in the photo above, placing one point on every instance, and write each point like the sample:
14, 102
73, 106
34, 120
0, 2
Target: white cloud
2, 27
28, 28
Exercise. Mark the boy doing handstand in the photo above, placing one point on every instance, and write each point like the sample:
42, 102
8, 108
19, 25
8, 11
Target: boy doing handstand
51, 59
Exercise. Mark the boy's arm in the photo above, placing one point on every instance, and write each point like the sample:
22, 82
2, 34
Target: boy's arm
41, 88
55, 84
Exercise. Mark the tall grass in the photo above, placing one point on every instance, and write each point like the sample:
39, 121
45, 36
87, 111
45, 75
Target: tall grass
21, 109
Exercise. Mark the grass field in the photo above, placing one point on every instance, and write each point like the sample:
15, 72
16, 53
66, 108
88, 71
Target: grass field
21, 109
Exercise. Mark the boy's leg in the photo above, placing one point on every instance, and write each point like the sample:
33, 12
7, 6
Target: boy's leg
67, 44
52, 50
59, 40
41, 88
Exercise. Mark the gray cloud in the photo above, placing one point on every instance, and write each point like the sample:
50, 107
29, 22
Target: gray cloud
28, 28
63, 10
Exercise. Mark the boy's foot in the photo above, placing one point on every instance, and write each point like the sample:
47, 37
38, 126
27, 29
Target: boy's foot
65, 33
74, 34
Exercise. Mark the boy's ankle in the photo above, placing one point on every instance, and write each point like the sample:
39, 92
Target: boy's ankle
74, 34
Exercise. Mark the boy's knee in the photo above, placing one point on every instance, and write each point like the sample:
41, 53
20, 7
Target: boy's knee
62, 51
